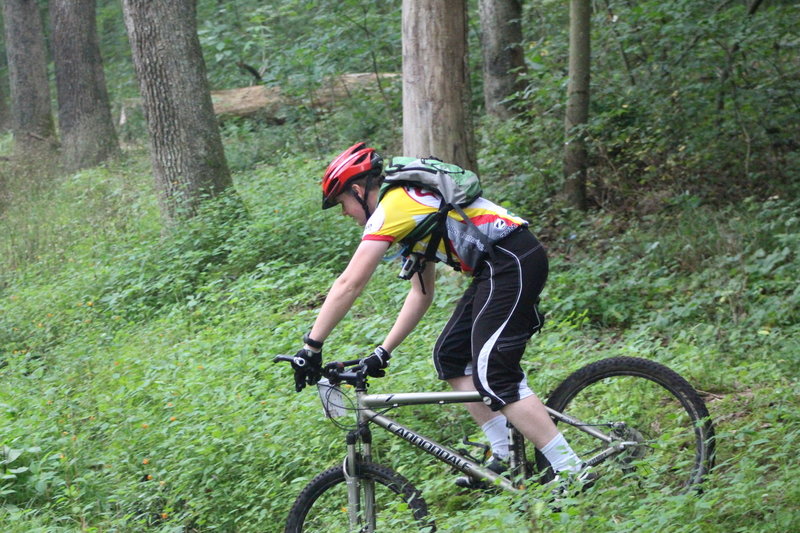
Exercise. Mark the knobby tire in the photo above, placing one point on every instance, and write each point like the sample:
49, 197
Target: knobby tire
317, 509
661, 410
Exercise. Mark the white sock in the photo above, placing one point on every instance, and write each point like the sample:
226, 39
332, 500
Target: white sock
560, 455
497, 433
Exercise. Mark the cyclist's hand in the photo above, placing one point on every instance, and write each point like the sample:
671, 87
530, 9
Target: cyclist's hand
307, 365
376, 362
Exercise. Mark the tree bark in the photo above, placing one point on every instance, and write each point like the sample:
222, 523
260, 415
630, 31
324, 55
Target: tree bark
575, 154
186, 147
5, 112
436, 96
31, 113
503, 59
84, 113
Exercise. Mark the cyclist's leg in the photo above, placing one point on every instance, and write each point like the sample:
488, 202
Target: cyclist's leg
504, 318
480, 412
454, 364
451, 353
493, 423
530, 417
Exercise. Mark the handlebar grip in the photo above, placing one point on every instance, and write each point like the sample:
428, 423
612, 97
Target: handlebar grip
336, 371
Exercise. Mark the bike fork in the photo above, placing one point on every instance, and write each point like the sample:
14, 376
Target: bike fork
360, 520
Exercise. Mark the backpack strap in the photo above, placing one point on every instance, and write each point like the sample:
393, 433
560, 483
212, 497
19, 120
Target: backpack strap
435, 226
439, 234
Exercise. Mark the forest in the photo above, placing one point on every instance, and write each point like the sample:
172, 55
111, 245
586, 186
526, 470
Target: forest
161, 240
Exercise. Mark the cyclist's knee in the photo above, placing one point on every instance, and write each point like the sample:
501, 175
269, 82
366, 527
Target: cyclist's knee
462, 383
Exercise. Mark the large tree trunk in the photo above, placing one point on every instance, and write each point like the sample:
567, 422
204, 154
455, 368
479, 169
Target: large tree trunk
436, 113
575, 155
186, 148
31, 114
84, 113
503, 58
5, 112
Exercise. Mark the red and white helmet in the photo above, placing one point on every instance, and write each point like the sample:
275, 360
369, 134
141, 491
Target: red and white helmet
356, 162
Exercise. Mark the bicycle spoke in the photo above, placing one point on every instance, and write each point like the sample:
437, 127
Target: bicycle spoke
638, 401
330, 514
323, 505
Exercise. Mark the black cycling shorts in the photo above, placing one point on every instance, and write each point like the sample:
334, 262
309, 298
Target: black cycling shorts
487, 333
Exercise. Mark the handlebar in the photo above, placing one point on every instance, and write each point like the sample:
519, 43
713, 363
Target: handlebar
350, 372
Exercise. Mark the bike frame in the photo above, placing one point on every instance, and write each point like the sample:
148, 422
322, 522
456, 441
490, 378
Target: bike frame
367, 414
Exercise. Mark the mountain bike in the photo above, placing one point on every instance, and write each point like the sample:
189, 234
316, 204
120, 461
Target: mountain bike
636, 422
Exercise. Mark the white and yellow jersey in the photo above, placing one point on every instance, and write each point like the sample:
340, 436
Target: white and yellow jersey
402, 208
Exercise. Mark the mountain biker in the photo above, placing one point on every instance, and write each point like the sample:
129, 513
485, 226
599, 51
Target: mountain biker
483, 342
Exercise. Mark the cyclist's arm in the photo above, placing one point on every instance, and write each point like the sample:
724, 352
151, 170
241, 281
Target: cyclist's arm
347, 287
414, 308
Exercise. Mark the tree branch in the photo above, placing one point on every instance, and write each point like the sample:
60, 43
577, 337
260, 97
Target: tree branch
754, 6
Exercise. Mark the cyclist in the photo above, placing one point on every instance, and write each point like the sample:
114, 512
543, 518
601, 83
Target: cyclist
483, 342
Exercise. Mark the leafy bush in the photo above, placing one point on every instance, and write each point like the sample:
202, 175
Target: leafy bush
713, 114
138, 389
139, 393
298, 41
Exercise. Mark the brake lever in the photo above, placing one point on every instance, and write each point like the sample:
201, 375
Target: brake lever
332, 370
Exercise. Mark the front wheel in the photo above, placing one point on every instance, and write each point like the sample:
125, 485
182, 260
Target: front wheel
637, 401
322, 506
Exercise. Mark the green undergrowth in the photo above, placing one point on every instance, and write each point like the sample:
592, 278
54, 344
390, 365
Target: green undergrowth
138, 392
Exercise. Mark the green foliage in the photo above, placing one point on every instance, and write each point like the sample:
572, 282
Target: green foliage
139, 393
685, 96
373, 118
696, 97
295, 46
702, 108
300, 41
116, 52
727, 259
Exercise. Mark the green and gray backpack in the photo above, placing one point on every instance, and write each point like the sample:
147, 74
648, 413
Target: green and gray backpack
457, 188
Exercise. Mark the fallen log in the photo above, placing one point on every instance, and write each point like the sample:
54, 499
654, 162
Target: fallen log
268, 101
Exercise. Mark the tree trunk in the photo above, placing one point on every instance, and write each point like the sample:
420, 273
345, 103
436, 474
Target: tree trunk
5, 112
436, 97
575, 154
84, 113
503, 59
31, 114
186, 148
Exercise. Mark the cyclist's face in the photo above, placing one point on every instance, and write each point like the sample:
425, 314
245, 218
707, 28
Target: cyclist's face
352, 208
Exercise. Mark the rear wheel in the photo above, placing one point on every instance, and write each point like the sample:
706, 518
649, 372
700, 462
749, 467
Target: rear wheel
322, 505
641, 401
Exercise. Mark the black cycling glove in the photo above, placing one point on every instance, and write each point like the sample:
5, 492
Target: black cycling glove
307, 367
376, 362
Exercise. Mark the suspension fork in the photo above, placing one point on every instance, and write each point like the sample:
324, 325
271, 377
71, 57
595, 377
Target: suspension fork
359, 512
